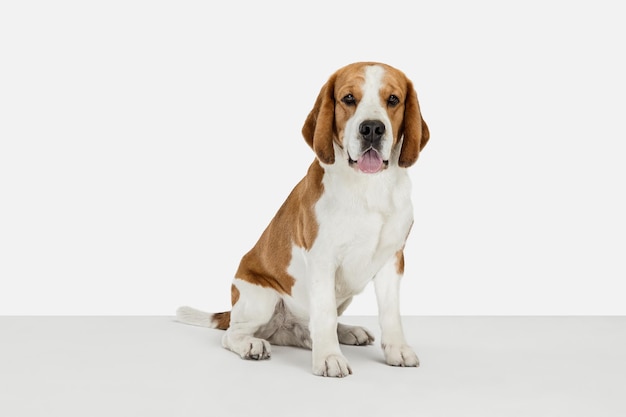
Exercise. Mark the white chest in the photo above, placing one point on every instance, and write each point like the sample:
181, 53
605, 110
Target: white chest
363, 221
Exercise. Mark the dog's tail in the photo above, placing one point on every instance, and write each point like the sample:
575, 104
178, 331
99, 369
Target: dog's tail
195, 317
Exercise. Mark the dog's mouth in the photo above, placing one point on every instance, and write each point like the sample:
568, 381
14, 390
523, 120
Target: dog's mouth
369, 162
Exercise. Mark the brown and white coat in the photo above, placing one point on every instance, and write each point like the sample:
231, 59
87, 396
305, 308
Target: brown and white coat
343, 225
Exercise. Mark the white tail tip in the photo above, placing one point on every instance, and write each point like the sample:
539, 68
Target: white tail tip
189, 315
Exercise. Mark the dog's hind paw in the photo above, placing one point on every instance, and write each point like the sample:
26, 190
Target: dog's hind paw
354, 335
248, 347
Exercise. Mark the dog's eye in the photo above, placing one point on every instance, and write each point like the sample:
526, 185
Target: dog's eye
393, 100
349, 100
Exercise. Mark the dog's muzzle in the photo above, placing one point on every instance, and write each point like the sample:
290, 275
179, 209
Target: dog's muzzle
370, 161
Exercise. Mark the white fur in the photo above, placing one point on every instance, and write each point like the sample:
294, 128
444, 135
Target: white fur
194, 317
364, 221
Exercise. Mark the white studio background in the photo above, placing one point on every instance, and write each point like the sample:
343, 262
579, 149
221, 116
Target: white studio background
145, 145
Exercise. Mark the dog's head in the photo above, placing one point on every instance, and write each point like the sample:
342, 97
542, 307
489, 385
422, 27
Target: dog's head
367, 113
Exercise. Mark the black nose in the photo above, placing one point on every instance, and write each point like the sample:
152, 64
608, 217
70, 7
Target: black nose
372, 130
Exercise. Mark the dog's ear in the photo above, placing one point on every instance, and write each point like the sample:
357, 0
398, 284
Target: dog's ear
415, 130
318, 129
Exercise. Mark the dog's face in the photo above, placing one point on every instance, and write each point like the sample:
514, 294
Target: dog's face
362, 114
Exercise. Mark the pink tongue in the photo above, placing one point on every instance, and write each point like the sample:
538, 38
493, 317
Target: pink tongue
370, 162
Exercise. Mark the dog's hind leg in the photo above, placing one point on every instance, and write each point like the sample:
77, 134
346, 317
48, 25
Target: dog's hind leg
253, 310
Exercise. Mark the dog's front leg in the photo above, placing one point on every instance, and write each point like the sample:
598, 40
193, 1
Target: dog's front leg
387, 286
327, 357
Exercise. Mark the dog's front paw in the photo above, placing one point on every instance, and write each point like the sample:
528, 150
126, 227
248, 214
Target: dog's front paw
400, 355
332, 365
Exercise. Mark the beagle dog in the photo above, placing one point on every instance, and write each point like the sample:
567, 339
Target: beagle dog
343, 225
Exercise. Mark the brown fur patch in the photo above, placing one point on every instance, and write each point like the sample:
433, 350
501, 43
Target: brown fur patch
400, 262
318, 129
414, 129
234, 295
348, 80
222, 320
394, 83
294, 223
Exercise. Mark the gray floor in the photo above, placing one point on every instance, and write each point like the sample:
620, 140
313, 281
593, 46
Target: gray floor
471, 366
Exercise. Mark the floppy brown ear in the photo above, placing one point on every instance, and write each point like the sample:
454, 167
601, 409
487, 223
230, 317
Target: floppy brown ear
415, 130
319, 124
